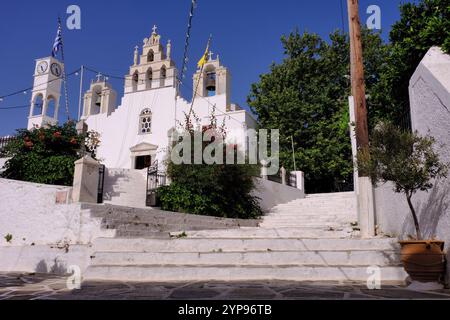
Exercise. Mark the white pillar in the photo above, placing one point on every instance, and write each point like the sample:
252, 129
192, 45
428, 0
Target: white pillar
366, 207
264, 174
362, 185
283, 176
85, 181
300, 176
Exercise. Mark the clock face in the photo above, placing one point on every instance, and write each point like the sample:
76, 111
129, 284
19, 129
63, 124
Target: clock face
42, 67
56, 69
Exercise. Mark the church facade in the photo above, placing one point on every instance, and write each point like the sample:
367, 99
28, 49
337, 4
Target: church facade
138, 132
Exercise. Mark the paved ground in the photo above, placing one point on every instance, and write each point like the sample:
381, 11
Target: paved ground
44, 287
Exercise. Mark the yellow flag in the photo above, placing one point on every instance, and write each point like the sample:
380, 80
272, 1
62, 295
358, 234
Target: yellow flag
204, 58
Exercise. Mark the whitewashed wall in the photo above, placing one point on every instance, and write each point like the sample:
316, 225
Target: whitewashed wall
272, 194
30, 214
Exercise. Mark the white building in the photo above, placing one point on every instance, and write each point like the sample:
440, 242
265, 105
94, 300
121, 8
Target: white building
138, 131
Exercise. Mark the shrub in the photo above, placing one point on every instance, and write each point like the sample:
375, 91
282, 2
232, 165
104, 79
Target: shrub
45, 155
221, 190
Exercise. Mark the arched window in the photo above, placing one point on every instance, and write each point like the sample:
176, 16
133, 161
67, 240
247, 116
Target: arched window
210, 80
163, 76
149, 78
145, 122
150, 56
135, 80
51, 107
97, 100
38, 105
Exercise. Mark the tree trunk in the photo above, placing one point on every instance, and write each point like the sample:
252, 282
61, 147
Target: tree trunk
416, 220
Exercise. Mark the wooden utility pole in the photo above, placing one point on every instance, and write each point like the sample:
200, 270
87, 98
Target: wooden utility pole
363, 185
357, 75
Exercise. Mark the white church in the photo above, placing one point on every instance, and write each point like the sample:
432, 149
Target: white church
136, 133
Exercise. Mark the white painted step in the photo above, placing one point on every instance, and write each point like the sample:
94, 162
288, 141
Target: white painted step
242, 245
249, 258
271, 233
158, 273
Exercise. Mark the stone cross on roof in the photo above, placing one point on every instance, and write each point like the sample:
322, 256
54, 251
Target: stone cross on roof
155, 28
210, 56
99, 76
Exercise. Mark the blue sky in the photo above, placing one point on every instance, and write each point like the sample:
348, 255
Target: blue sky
246, 34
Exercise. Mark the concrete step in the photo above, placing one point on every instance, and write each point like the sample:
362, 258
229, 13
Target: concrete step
147, 215
159, 273
272, 233
243, 245
287, 258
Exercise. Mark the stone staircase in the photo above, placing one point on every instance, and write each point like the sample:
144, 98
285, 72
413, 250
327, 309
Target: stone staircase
305, 240
156, 224
125, 187
321, 212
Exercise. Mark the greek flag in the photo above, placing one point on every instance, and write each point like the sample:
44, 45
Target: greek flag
58, 42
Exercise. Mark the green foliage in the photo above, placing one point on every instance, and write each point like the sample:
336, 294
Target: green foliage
45, 155
422, 24
8, 238
404, 158
407, 159
306, 96
221, 190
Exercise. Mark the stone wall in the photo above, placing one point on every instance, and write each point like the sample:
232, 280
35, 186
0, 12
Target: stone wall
430, 114
37, 214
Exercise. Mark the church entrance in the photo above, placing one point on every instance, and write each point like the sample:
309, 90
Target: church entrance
143, 162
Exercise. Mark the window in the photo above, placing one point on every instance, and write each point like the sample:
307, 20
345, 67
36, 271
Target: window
135, 80
150, 56
163, 76
145, 122
149, 78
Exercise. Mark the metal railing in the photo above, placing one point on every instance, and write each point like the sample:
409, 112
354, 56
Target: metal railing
4, 141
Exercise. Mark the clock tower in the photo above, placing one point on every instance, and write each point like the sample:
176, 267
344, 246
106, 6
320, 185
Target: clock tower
46, 93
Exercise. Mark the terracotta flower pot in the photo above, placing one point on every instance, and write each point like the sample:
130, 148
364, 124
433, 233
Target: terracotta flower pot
424, 261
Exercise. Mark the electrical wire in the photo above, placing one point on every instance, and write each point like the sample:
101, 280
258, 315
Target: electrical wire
31, 88
15, 107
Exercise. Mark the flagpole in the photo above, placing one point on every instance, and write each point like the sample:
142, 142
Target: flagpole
66, 94
203, 62
81, 92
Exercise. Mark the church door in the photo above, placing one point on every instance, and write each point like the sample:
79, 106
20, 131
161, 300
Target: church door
143, 162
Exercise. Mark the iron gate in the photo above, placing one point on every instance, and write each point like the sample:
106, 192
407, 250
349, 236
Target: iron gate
155, 180
101, 183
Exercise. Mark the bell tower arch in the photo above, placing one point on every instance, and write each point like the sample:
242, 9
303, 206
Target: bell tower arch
215, 79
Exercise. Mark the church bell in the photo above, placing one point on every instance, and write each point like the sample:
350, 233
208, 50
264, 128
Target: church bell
211, 81
98, 101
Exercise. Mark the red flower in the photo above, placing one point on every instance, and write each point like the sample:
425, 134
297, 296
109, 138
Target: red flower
29, 144
74, 141
57, 134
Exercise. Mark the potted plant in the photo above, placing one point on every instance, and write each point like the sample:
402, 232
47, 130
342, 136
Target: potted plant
410, 162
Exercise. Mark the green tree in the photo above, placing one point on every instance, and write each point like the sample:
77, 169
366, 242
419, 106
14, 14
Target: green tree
422, 24
306, 97
45, 155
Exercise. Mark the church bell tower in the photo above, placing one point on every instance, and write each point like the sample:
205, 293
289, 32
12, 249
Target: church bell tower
46, 93
215, 80
153, 67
